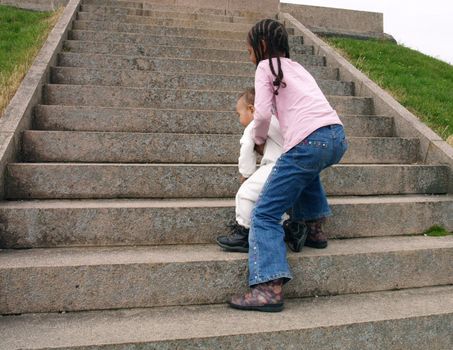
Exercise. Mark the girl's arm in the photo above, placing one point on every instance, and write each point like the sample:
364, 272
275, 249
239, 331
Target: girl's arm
264, 96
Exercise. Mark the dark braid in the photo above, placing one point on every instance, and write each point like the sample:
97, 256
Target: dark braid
274, 34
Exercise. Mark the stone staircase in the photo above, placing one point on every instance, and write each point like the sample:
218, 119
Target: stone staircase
129, 173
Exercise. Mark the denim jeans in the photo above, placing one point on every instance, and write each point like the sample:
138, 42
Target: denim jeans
294, 183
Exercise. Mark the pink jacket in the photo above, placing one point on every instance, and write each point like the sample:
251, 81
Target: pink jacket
300, 107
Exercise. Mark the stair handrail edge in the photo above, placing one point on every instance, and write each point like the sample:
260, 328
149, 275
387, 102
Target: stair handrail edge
18, 115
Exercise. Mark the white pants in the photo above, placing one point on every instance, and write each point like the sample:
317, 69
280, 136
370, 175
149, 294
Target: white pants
248, 193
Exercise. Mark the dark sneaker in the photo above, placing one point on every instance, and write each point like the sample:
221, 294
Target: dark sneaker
266, 297
237, 241
295, 235
316, 237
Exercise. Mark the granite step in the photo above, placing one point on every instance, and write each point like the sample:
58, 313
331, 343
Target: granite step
123, 147
119, 222
166, 22
117, 48
116, 3
86, 118
153, 5
94, 180
171, 13
113, 96
166, 64
416, 319
184, 7
210, 33
180, 80
126, 277
145, 39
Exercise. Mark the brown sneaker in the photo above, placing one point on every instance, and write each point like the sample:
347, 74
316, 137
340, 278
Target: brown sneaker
316, 238
266, 297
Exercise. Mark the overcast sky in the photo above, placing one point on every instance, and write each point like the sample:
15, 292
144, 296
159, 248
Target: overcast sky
426, 26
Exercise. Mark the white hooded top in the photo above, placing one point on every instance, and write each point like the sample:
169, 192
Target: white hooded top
272, 150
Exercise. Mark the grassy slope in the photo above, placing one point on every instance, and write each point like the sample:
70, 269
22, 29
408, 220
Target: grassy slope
422, 84
22, 34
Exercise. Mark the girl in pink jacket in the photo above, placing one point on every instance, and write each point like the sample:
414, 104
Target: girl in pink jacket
314, 139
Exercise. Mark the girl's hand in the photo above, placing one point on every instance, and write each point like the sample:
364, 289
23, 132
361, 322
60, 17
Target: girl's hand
242, 179
259, 148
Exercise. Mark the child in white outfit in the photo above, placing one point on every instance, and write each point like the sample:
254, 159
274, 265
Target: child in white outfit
252, 179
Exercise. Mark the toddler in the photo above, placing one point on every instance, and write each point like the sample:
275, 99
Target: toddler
252, 179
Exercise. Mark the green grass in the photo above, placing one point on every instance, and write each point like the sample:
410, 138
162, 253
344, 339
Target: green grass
437, 231
22, 34
424, 85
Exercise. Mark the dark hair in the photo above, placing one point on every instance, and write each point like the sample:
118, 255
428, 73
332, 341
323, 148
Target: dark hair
274, 34
249, 95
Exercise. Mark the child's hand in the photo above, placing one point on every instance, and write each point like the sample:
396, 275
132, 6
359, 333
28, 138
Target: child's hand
260, 148
242, 179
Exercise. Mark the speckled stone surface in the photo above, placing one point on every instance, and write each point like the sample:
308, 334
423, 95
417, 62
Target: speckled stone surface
162, 30
148, 49
122, 147
143, 79
116, 96
170, 22
150, 222
102, 278
60, 180
212, 7
145, 63
106, 10
417, 319
225, 44
87, 118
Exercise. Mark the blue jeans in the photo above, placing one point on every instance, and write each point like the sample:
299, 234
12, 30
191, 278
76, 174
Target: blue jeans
294, 183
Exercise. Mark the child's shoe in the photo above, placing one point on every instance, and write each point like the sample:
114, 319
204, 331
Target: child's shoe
316, 237
295, 234
237, 241
266, 297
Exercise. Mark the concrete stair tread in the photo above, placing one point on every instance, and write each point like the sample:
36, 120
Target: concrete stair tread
137, 38
204, 202
118, 96
146, 49
170, 13
193, 325
121, 27
173, 64
121, 133
121, 34
190, 8
178, 22
114, 147
102, 222
121, 277
179, 78
90, 256
180, 74
176, 80
70, 118
97, 43
136, 180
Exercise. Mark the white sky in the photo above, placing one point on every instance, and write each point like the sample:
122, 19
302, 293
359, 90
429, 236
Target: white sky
426, 26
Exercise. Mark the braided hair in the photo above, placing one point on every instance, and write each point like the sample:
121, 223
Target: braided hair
274, 34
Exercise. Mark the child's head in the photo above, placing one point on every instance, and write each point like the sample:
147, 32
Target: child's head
244, 106
266, 40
